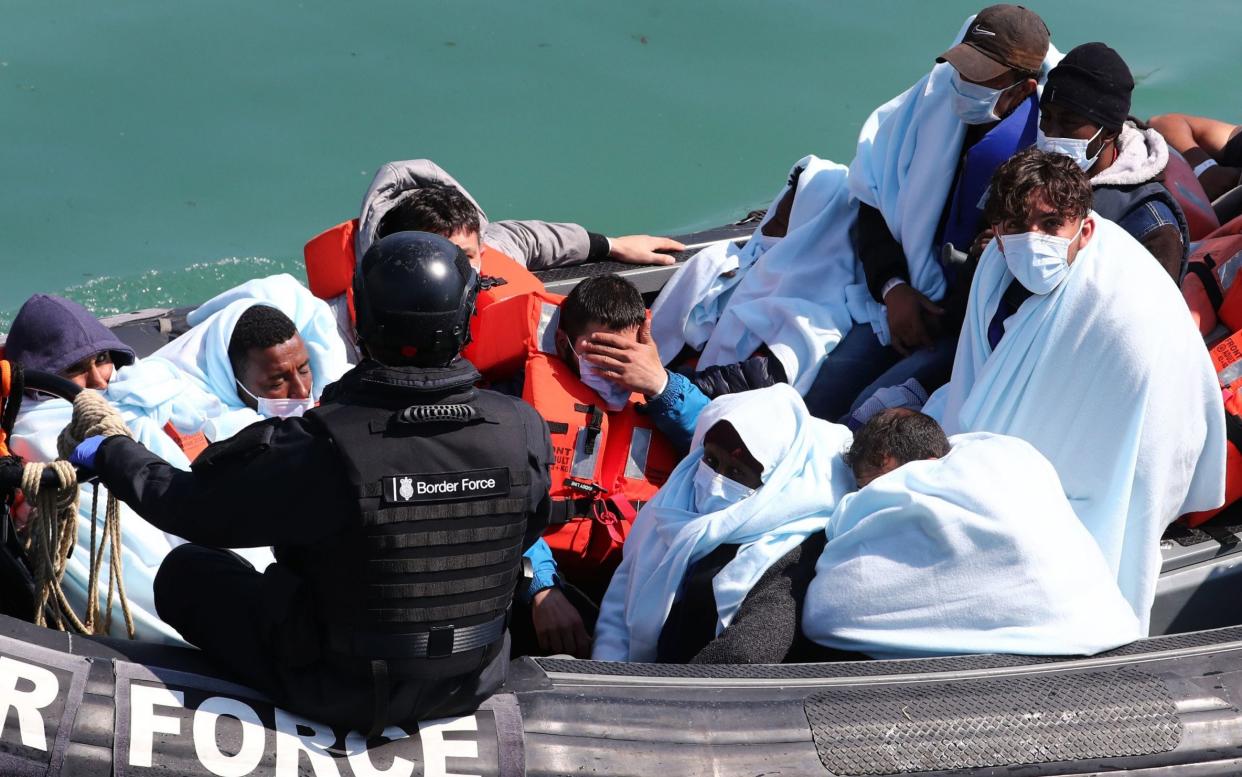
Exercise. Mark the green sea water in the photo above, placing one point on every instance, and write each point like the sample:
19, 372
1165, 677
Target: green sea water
155, 153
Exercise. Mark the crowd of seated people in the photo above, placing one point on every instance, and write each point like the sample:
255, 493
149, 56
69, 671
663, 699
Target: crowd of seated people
1057, 407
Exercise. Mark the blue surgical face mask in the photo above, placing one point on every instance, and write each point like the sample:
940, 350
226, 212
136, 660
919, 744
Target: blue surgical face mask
974, 103
714, 492
1070, 147
1038, 261
279, 408
612, 395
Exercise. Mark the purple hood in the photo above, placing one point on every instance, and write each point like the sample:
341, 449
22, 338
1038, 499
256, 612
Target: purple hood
52, 333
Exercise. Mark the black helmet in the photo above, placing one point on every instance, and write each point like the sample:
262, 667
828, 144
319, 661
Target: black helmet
414, 293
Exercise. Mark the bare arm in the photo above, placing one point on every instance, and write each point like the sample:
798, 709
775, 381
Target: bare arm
1199, 139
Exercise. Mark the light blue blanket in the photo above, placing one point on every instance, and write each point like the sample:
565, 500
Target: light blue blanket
977, 552
189, 383
801, 294
803, 478
1108, 378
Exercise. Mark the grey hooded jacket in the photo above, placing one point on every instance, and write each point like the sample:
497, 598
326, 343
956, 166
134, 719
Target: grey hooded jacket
537, 244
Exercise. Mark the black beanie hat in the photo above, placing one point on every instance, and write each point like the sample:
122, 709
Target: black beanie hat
1094, 82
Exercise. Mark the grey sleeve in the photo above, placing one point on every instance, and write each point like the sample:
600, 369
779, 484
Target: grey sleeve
541, 245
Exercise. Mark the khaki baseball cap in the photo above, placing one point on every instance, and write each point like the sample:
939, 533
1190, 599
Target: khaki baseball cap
1001, 37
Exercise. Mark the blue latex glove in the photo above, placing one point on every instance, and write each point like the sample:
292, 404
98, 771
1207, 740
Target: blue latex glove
84, 455
544, 566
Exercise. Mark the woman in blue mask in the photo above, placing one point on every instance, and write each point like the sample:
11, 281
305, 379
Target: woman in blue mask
1084, 115
717, 564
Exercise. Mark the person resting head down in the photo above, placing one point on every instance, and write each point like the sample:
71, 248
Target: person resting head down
893, 438
716, 564
57, 335
960, 545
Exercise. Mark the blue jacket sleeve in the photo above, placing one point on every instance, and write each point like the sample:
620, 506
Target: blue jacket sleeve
544, 566
676, 409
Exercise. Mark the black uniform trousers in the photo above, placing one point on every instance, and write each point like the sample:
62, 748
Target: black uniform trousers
262, 628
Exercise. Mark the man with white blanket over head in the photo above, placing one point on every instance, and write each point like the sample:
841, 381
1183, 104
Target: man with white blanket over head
977, 551
1076, 342
716, 564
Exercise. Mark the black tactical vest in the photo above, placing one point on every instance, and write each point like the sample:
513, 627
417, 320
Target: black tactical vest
428, 566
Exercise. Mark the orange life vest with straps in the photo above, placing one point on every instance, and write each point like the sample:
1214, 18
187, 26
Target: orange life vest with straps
1209, 286
606, 464
330, 264
1215, 298
1227, 358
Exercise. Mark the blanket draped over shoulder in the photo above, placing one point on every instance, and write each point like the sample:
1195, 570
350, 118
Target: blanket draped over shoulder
977, 552
1108, 378
801, 294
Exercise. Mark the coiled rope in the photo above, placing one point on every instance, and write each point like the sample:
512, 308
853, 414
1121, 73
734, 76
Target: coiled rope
54, 526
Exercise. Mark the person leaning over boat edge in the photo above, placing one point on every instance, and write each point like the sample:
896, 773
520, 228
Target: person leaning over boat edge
528, 245
1084, 114
1213, 148
399, 509
992, 93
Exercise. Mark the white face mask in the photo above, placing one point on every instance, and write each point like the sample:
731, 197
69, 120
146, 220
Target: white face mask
279, 408
714, 492
1039, 262
974, 103
613, 396
1070, 147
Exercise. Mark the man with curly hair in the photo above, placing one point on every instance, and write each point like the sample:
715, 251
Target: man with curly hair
1076, 342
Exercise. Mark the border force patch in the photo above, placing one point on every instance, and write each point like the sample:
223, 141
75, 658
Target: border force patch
446, 486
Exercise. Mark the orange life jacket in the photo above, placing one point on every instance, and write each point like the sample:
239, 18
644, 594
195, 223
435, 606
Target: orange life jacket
190, 444
6, 387
1227, 358
1180, 180
605, 465
330, 264
1209, 288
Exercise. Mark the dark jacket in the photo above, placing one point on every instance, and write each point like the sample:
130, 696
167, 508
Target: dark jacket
767, 628
278, 482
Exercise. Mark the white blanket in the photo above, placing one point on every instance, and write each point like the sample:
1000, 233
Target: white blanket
904, 167
806, 300
201, 354
793, 297
1107, 376
143, 545
977, 552
803, 478
189, 383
